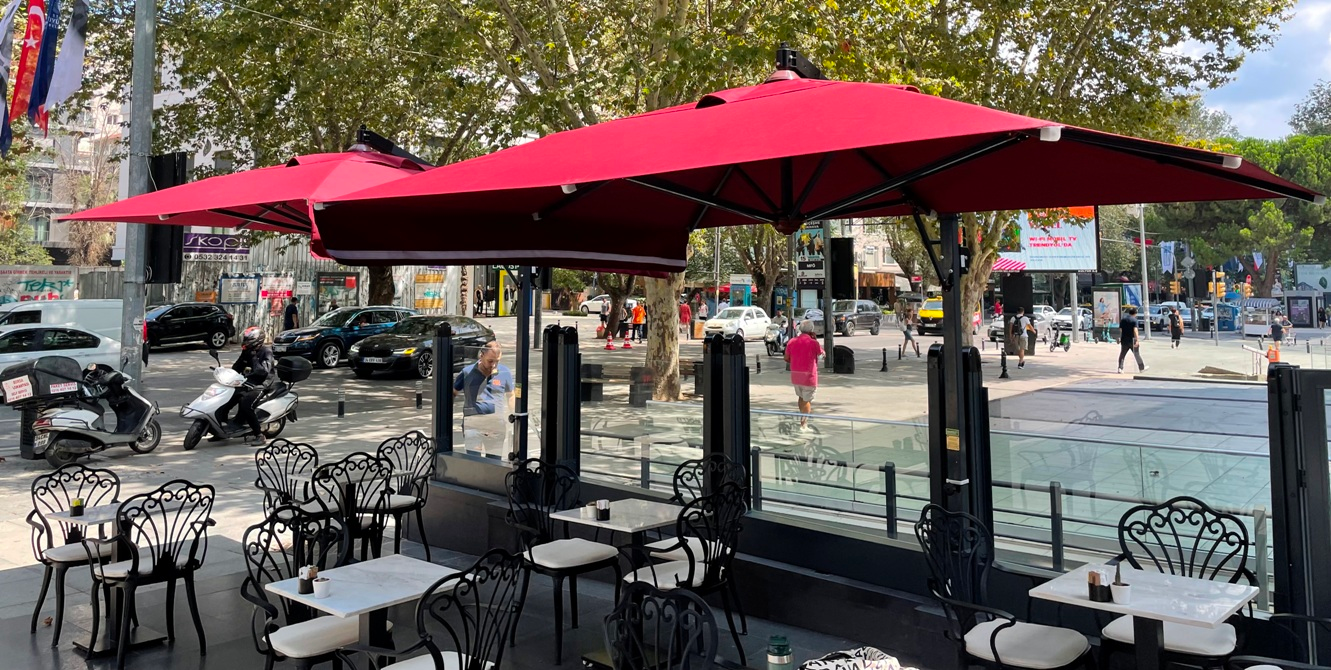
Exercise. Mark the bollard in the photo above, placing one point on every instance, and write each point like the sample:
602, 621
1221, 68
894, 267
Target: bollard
341, 402
884, 360
758, 361
420, 398
1002, 360
900, 349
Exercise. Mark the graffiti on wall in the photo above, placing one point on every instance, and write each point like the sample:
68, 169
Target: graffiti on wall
21, 283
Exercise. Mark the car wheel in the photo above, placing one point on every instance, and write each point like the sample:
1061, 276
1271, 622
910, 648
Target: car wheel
362, 373
585, 311
330, 354
740, 334
425, 365
217, 340
195, 433
876, 327
920, 330
148, 439
849, 329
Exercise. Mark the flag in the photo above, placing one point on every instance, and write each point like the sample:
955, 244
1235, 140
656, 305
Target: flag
6, 28
27, 60
41, 79
1167, 256
1257, 260
67, 77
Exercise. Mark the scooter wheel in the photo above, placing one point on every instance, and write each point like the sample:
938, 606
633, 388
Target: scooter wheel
274, 428
59, 458
148, 439
195, 433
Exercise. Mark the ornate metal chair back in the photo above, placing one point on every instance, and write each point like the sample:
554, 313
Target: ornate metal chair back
54, 491
169, 526
476, 609
412, 452
651, 629
364, 476
959, 550
698, 477
276, 463
535, 489
1185, 537
716, 521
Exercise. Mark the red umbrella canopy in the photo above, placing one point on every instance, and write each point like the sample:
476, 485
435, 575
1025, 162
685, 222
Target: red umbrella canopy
272, 198
628, 192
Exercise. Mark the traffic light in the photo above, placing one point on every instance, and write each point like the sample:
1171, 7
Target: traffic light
1219, 275
1247, 290
1175, 287
1210, 288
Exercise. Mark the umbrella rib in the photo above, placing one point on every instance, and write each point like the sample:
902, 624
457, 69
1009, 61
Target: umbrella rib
793, 212
248, 218
870, 206
582, 192
928, 245
278, 211
744, 174
1142, 147
720, 184
700, 198
911, 198
835, 209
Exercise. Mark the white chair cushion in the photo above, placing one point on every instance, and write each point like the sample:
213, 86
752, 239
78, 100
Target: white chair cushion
1264, 667
426, 662
571, 553
398, 501
310, 507
1181, 638
317, 636
667, 576
73, 553
120, 569
1026, 645
678, 553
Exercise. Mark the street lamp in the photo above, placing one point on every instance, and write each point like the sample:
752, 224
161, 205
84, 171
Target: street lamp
1146, 287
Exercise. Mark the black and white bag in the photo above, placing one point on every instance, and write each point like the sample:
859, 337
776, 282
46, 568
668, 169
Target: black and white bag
864, 658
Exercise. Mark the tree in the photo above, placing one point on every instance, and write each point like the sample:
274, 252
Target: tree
1201, 124
17, 244
765, 253
908, 250
1313, 115
91, 176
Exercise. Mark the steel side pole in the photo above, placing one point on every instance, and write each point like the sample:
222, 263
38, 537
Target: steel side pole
829, 319
550, 397
442, 405
569, 426
524, 363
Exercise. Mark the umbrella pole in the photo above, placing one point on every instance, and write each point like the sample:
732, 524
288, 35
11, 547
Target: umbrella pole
524, 363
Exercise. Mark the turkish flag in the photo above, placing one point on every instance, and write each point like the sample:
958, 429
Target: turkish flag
27, 62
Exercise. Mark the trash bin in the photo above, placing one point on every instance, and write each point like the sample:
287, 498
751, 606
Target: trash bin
698, 382
843, 360
698, 332
640, 386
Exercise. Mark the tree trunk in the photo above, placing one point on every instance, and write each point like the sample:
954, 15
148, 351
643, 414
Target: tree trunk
663, 335
381, 284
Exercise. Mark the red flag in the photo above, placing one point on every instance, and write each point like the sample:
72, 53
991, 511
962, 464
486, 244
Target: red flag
27, 62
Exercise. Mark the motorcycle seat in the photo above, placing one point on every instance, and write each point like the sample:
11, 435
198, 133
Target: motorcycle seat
279, 390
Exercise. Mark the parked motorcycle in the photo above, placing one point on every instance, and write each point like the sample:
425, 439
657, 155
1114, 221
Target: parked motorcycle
276, 406
77, 427
776, 338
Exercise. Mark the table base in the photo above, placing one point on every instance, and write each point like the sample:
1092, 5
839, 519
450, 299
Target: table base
1148, 642
105, 644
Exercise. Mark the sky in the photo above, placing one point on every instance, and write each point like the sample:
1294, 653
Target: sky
1265, 89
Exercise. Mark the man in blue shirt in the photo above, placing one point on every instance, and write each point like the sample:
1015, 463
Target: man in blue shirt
487, 390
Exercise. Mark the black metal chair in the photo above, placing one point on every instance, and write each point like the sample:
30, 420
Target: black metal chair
357, 487
1290, 641
535, 490
413, 452
60, 548
275, 549
707, 532
651, 629
1186, 537
959, 550
277, 463
694, 478
165, 535
477, 609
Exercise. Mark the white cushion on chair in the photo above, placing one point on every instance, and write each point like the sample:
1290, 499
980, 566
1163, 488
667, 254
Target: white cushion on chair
398, 501
1264, 667
1181, 638
317, 636
678, 553
1026, 645
426, 662
571, 553
667, 576
73, 553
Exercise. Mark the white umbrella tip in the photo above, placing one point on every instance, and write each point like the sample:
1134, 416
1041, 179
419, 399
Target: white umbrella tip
1233, 162
320, 206
568, 188
163, 217
1051, 133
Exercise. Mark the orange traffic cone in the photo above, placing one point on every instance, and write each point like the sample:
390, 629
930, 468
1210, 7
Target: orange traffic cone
627, 343
610, 343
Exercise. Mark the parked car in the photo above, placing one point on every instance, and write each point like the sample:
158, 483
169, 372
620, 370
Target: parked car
852, 315
23, 343
1183, 311
931, 317
747, 322
188, 322
1043, 328
325, 340
409, 346
96, 316
593, 305
1063, 319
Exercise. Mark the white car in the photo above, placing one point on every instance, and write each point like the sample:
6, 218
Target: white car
750, 323
20, 344
1042, 324
593, 305
1063, 320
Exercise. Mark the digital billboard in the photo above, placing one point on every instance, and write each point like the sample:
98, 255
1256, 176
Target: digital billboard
1057, 241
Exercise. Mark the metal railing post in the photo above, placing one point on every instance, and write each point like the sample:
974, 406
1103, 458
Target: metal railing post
645, 461
755, 476
1261, 567
1056, 523
890, 489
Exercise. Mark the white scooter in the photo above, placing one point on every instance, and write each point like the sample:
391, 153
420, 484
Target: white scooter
775, 339
275, 407
75, 429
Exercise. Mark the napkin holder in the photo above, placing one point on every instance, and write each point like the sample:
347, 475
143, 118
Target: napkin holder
305, 581
1097, 588
602, 510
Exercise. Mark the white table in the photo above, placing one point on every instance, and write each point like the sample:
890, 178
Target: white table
366, 590
1156, 598
633, 517
96, 515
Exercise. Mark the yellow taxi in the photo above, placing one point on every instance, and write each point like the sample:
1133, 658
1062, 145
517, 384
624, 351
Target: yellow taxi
931, 316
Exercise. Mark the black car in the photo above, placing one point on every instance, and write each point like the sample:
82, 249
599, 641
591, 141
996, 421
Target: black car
330, 335
852, 315
408, 346
189, 322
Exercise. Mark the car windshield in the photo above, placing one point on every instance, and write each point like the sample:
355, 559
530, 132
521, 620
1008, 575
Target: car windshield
843, 306
154, 312
731, 313
933, 304
335, 318
416, 325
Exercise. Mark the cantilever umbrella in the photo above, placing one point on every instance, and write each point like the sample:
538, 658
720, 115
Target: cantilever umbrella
627, 192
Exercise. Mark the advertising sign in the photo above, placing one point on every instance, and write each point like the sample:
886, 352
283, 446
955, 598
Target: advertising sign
1043, 242
430, 290
1132, 295
205, 296
1106, 311
304, 288
277, 287
239, 290
215, 247
337, 289
21, 283
810, 271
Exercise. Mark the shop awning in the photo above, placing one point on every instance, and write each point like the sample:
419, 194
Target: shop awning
1261, 303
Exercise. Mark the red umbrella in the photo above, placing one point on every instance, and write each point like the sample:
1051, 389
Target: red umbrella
627, 192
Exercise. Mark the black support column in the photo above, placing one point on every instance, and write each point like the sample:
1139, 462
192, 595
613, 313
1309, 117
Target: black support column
734, 401
443, 388
561, 408
519, 417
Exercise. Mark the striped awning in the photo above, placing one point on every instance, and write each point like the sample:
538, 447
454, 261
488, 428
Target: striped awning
1261, 303
1008, 265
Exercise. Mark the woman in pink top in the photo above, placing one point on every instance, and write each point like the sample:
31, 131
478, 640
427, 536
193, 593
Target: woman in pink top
802, 353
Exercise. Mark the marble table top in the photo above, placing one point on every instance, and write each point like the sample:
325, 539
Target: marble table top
92, 516
361, 588
1155, 595
309, 477
625, 431
626, 516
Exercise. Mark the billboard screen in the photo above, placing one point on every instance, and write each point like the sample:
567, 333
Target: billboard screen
1052, 243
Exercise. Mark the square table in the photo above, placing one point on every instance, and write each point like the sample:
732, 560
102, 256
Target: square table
1156, 597
366, 590
632, 517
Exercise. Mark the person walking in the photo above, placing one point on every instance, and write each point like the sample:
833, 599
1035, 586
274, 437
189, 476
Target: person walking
1128, 340
1175, 328
908, 325
488, 391
702, 310
605, 311
291, 317
1278, 326
802, 354
639, 321
686, 319
1022, 330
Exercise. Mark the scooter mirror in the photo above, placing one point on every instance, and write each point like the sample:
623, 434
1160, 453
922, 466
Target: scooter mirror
213, 353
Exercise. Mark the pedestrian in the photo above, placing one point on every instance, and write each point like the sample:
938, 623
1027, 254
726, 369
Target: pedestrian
487, 390
480, 302
702, 310
908, 325
605, 311
639, 321
291, 317
802, 354
1278, 325
1022, 329
686, 319
625, 320
332, 305
725, 304
1321, 318
1129, 341
998, 308
1175, 328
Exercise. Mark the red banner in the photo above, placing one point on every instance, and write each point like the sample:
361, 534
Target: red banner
27, 62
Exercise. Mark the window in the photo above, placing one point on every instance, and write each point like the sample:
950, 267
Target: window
382, 316
18, 342
224, 162
41, 185
16, 317
870, 258
183, 312
40, 222
59, 338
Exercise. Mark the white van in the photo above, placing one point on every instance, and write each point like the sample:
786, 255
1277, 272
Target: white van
98, 316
